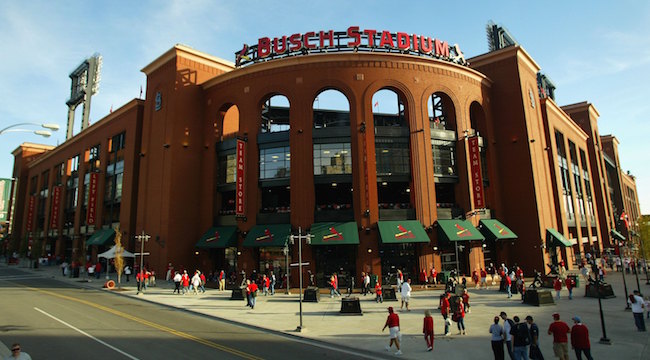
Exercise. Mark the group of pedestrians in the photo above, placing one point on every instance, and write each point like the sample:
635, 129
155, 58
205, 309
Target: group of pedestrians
183, 284
521, 339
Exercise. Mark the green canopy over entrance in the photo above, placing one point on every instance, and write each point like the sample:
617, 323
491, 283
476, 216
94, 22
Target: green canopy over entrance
335, 233
101, 237
555, 238
458, 230
494, 229
402, 231
617, 235
218, 237
268, 235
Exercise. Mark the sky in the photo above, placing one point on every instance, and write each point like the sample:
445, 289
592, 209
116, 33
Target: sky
593, 51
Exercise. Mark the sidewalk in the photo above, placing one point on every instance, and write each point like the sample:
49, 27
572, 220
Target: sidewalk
322, 321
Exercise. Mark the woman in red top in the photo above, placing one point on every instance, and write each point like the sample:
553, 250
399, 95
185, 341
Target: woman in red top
459, 316
570, 284
380, 297
427, 329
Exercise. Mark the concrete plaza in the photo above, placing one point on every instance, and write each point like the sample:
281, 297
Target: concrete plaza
322, 321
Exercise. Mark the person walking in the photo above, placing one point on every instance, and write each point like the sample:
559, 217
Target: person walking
570, 284
251, 293
636, 301
378, 293
366, 283
177, 283
202, 283
272, 280
222, 280
406, 294
508, 324
459, 316
497, 339
265, 285
185, 281
445, 309
559, 329
138, 280
465, 298
508, 286
557, 286
392, 323
17, 354
196, 282
127, 272
363, 284
332, 284
427, 329
521, 339
580, 339
535, 352
170, 271
400, 279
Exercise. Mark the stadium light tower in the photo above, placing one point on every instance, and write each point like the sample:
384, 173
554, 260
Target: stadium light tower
85, 84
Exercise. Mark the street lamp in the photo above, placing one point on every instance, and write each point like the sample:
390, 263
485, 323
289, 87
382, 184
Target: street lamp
603, 340
44, 133
142, 238
300, 237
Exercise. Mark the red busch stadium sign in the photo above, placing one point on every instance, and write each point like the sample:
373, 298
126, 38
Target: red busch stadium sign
240, 208
30, 213
56, 206
477, 178
92, 199
353, 39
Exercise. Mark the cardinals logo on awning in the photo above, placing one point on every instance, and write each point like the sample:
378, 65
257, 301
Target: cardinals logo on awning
403, 234
462, 232
501, 230
334, 236
267, 237
215, 238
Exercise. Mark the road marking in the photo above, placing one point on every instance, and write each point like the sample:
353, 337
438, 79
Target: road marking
19, 277
153, 325
87, 334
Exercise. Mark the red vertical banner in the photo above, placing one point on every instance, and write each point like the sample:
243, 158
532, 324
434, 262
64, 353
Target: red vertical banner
30, 213
56, 206
92, 199
240, 207
477, 177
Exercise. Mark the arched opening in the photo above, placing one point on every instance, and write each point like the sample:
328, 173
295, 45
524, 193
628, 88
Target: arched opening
332, 181
225, 131
393, 161
274, 156
479, 128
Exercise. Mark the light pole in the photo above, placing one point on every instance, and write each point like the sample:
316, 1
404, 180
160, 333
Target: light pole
300, 237
604, 339
286, 269
142, 238
620, 255
44, 133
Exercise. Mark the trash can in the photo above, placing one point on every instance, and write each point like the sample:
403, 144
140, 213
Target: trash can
443, 276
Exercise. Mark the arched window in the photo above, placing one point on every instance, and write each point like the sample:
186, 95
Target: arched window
226, 127
274, 155
332, 156
442, 124
392, 150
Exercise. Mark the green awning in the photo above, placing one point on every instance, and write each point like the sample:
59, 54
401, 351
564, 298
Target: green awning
268, 235
402, 231
494, 229
101, 237
458, 230
218, 237
555, 238
335, 233
617, 235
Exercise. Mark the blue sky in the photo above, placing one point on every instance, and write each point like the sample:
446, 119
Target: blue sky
593, 51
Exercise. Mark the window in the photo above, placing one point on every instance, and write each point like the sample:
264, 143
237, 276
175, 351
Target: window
332, 159
92, 158
58, 175
587, 181
392, 157
444, 157
275, 163
564, 174
275, 115
116, 143
227, 169
577, 183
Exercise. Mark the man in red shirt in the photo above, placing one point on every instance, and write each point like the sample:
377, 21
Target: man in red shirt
392, 323
570, 284
559, 329
508, 285
580, 339
445, 310
557, 285
465, 297
427, 329
434, 276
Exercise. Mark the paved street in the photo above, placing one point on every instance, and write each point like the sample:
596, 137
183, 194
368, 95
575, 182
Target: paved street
134, 325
